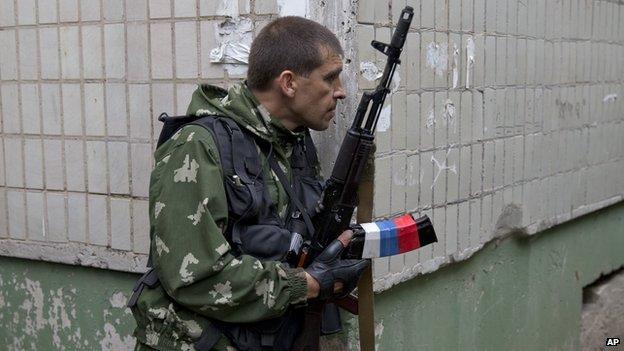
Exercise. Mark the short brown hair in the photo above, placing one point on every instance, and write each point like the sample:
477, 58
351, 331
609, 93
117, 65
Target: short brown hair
288, 43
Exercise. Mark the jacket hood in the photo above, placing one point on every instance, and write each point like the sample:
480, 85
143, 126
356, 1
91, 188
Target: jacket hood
239, 104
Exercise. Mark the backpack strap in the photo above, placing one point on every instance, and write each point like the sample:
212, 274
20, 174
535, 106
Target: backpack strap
291, 194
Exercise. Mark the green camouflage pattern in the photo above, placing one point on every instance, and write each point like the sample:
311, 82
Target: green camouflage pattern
200, 278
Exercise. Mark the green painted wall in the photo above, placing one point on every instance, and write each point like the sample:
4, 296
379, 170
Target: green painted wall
515, 294
45, 306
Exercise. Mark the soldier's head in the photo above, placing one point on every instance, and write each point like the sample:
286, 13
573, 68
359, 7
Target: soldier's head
295, 65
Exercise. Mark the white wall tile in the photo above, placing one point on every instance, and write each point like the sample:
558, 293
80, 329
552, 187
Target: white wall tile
208, 42
161, 50
136, 10
138, 67
159, 8
90, 9
70, 49
26, 12
7, 13
49, 51
114, 49
53, 164
141, 169
31, 119
68, 10
8, 55
120, 224
96, 166
75, 165
56, 225
398, 184
51, 108
452, 229
16, 206
383, 171
113, 10
183, 97
77, 217
2, 178
92, 51
94, 109
139, 109
10, 108
33, 163
140, 226
116, 114
72, 109
48, 12
118, 167
98, 219
185, 8
4, 229
34, 216
28, 53
186, 50
14, 162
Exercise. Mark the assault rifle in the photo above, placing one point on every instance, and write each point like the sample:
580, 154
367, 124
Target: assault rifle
339, 199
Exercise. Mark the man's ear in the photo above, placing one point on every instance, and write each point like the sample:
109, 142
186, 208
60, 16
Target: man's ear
287, 83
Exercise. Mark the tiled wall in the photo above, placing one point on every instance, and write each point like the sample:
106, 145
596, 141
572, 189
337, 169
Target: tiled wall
80, 85
507, 114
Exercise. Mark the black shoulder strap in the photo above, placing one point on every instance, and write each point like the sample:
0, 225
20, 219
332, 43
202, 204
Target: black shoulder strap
291, 194
310, 150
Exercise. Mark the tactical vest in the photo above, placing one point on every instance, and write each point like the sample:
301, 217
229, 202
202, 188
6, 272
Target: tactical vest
254, 224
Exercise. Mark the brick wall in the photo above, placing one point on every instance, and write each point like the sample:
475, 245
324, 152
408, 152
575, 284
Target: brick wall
508, 118
507, 115
81, 84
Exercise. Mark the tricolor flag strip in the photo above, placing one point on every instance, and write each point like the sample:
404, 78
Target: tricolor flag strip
395, 236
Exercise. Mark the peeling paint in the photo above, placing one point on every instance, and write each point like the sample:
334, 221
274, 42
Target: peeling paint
35, 301
234, 37
118, 300
383, 124
455, 66
299, 8
470, 58
610, 98
431, 121
449, 114
433, 264
379, 328
228, 8
510, 220
370, 71
437, 57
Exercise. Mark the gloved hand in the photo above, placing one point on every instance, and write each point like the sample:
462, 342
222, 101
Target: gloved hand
328, 269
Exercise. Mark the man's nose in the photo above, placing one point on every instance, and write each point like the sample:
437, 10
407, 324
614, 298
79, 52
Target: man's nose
339, 92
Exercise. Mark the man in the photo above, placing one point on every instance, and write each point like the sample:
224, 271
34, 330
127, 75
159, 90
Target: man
219, 231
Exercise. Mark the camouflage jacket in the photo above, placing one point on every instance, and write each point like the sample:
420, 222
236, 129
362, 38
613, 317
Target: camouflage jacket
200, 277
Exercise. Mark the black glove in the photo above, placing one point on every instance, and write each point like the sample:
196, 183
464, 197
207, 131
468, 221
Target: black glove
328, 268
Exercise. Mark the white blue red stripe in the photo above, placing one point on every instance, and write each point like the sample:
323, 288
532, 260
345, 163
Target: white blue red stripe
390, 237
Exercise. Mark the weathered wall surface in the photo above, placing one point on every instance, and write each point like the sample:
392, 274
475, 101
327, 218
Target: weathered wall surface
507, 117
517, 293
603, 312
46, 306
81, 84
